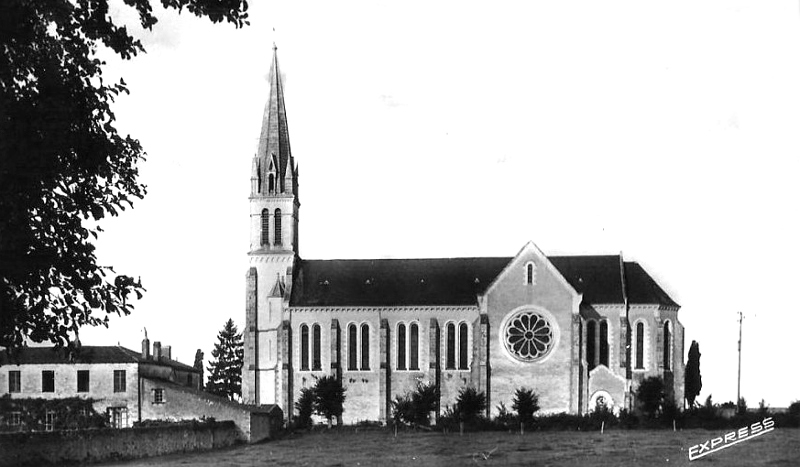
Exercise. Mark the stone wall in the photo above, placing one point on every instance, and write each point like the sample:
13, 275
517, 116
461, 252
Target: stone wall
182, 403
61, 447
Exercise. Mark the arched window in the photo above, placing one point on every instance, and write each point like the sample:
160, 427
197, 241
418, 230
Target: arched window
304, 347
317, 364
401, 346
278, 240
639, 346
413, 347
667, 345
364, 347
591, 342
529, 274
352, 347
451, 346
463, 340
264, 226
272, 183
604, 342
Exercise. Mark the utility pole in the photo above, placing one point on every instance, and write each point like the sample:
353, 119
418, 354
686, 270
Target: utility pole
739, 379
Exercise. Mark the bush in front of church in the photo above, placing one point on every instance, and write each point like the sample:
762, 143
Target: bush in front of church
525, 403
415, 407
305, 408
470, 405
329, 396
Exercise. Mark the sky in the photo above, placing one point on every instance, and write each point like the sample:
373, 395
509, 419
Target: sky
663, 130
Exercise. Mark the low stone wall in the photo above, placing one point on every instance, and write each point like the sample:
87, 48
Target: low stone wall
61, 447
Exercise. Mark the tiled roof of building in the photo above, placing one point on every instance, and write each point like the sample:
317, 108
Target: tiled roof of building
456, 281
87, 354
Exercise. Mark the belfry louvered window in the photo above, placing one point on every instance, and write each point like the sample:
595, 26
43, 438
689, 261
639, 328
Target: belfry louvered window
278, 239
265, 226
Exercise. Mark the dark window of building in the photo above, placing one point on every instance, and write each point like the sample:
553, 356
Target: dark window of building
667, 346
604, 342
413, 347
83, 380
451, 346
365, 347
15, 418
529, 275
48, 381
352, 347
189, 380
401, 346
265, 226
591, 342
158, 396
278, 239
317, 364
14, 381
304, 347
640, 346
463, 340
119, 381
271, 183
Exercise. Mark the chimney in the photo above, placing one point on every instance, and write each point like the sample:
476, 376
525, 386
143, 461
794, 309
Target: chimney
146, 348
167, 352
157, 351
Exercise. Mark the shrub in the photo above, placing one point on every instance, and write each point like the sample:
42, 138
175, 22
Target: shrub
305, 408
741, 406
525, 403
415, 408
505, 419
650, 395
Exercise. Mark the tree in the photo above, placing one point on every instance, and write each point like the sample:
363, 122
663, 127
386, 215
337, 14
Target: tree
63, 165
225, 370
329, 396
305, 408
470, 403
650, 395
692, 380
525, 403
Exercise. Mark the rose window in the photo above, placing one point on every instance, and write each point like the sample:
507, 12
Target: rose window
528, 336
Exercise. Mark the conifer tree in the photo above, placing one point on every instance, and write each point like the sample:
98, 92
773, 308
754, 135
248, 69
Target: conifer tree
225, 370
692, 380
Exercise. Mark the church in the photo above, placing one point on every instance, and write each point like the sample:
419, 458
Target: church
578, 330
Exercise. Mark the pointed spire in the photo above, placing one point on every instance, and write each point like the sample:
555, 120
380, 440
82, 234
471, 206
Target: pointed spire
274, 139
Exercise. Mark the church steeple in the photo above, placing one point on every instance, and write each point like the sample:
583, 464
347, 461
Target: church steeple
274, 155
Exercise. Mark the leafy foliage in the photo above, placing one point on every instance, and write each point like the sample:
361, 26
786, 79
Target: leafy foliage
329, 396
525, 403
63, 165
304, 407
650, 395
415, 408
225, 370
692, 380
70, 414
470, 404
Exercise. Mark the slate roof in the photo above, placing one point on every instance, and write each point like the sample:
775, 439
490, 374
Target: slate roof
456, 281
87, 354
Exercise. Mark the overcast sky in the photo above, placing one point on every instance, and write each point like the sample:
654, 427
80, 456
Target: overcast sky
665, 130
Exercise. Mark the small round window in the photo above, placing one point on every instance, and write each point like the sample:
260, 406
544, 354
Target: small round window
528, 336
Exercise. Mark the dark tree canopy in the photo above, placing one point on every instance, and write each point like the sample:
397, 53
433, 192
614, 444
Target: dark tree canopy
329, 396
225, 370
525, 403
693, 381
651, 395
63, 165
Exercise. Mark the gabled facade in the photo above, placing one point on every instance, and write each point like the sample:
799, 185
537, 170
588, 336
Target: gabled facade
579, 330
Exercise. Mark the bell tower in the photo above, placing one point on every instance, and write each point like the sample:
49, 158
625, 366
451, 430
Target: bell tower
274, 207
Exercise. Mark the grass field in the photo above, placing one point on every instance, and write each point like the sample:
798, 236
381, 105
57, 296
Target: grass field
380, 448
